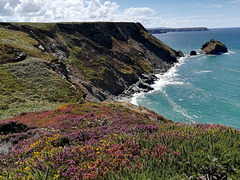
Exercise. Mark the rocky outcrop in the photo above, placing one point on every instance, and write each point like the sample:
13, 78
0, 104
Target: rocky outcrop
179, 54
193, 53
20, 57
59, 67
214, 47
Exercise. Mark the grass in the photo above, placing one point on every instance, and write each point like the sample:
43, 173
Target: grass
43, 26
74, 57
13, 42
29, 85
116, 141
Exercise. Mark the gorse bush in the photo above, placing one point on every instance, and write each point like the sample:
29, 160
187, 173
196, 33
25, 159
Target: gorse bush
110, 141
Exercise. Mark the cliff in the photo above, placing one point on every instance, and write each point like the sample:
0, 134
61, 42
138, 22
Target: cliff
166, 30
51, 63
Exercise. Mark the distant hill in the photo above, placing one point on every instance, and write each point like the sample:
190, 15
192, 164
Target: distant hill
166, 30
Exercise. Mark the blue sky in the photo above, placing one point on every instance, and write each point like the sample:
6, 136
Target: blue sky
210, 13
151, 13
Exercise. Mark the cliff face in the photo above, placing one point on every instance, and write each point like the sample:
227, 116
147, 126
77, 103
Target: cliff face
97, 59
115, 53
166, 30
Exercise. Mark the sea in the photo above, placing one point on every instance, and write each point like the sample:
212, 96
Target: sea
202, 88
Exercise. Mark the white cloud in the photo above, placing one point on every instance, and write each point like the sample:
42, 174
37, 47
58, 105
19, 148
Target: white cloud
70, 10
57, 10
144, 11
208, 6
96, 10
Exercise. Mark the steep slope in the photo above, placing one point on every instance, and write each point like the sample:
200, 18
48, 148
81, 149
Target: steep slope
96, 61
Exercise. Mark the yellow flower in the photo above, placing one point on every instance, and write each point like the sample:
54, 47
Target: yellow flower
1, 177
102, 141
56, 176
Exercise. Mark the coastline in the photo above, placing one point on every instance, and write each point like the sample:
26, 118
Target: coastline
161, 81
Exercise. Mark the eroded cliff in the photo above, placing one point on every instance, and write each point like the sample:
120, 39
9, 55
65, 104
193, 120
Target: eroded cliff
99, 60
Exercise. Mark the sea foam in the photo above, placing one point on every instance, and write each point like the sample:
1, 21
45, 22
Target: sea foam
168, 78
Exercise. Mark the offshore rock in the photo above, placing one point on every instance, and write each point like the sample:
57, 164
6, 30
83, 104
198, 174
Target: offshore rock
214, 47
193, 53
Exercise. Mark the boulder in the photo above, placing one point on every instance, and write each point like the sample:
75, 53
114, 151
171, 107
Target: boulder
179, 53
145, 86
214, 47
193, 53
20, 56
148, 78
59, 67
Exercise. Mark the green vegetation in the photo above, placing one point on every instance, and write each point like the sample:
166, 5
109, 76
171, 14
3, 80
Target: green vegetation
145, 67
75, 57
29, 85
43, 26
126, 69
115, 141
13, 42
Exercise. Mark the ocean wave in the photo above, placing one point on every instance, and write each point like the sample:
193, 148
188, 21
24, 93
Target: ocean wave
204, 71
168, 78
230, 52
179, 109
234, 70
135, 97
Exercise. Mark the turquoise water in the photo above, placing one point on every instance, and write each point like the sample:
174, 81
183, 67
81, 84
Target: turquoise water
203, 89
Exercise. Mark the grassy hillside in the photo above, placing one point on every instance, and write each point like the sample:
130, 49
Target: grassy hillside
29, 85
43, 65
114, 141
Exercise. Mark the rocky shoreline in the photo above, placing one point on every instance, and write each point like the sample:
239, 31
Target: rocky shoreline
100, 60
212, 47
90, 61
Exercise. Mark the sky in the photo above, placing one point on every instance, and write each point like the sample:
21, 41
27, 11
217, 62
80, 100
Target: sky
151, 13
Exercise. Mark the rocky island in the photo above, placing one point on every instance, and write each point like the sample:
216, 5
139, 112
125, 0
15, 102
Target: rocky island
214, 47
